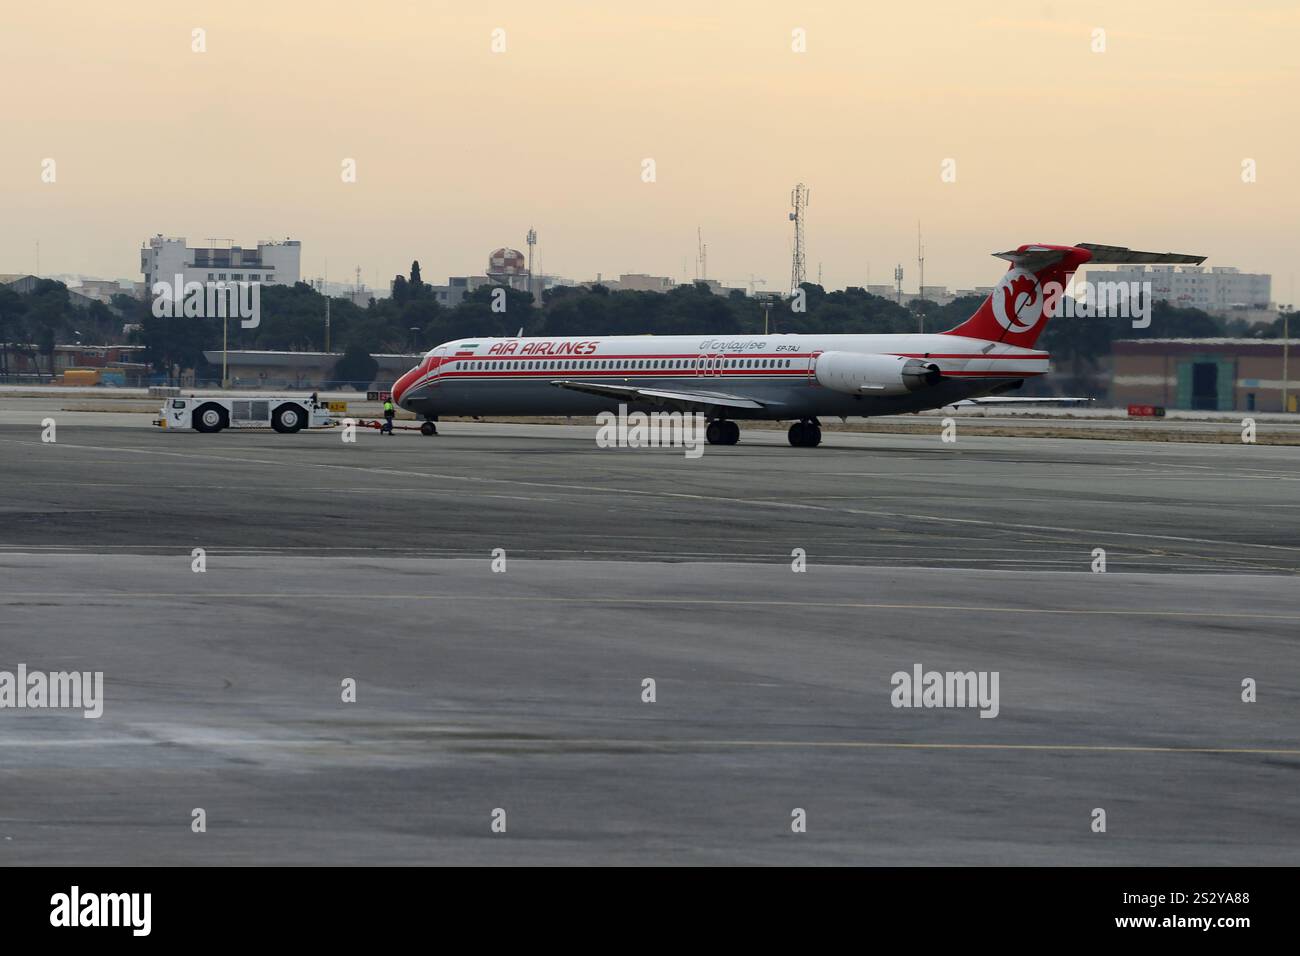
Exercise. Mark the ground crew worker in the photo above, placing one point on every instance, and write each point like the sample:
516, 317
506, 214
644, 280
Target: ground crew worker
389, 412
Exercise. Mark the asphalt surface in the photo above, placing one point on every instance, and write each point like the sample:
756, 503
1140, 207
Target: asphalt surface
522, 690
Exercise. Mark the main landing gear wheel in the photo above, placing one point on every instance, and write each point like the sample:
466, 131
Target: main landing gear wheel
428, 428
210, 418
722, 433
805, 435
288, 419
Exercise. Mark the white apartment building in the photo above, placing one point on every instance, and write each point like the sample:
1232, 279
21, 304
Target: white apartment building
1217, 289
274, 262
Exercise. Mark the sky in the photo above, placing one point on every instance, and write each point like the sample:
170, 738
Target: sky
460, 149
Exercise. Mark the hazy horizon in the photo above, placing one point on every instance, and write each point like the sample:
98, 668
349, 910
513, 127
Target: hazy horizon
460, 150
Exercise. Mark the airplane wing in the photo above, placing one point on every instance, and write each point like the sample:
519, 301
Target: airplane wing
684, 399
991, 400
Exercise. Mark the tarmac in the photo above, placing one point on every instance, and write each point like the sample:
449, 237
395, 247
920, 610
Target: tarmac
501, 594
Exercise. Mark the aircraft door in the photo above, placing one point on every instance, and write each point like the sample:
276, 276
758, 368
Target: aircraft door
435, 362
708, 364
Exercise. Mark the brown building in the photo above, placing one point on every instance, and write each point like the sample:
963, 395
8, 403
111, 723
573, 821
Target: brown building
1207, 374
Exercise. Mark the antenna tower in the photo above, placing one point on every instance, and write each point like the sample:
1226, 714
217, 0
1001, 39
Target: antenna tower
798, 266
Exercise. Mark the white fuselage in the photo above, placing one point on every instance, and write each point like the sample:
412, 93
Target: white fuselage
790, 376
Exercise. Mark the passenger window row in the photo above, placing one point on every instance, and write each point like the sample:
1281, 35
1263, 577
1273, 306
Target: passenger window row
620, 365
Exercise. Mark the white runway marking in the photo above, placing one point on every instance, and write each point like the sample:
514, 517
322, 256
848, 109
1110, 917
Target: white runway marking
84, 596
212, 741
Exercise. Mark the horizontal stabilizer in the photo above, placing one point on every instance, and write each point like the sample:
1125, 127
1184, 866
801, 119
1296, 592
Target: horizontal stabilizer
1036, 258
1118, 255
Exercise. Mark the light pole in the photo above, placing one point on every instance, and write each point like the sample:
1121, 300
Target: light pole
766, 299
1286, 354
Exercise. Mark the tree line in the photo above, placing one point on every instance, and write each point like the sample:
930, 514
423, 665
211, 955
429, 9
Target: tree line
412, 320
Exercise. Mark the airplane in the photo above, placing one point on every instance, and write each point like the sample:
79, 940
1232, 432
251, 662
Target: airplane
782, 377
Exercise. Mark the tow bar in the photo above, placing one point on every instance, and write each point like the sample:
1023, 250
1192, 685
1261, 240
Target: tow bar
426, 428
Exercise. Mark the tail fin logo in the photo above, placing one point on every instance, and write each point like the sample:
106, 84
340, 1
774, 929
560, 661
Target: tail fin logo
1018, 301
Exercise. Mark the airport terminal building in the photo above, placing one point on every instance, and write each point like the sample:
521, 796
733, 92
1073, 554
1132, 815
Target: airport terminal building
1244, 375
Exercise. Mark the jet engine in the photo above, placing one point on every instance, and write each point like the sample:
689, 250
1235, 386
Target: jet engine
876, 374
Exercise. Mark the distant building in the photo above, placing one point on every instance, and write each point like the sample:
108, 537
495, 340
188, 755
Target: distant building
163, 258
22, 284
453, 292
1218, 290
938, 294
640, 282
505, 267
116, 364
300, 370
717, 288
102, 290
1206, 374
26, 284
358, 295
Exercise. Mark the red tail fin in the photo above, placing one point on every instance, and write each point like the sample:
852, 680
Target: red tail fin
1025, 298
1021, 303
